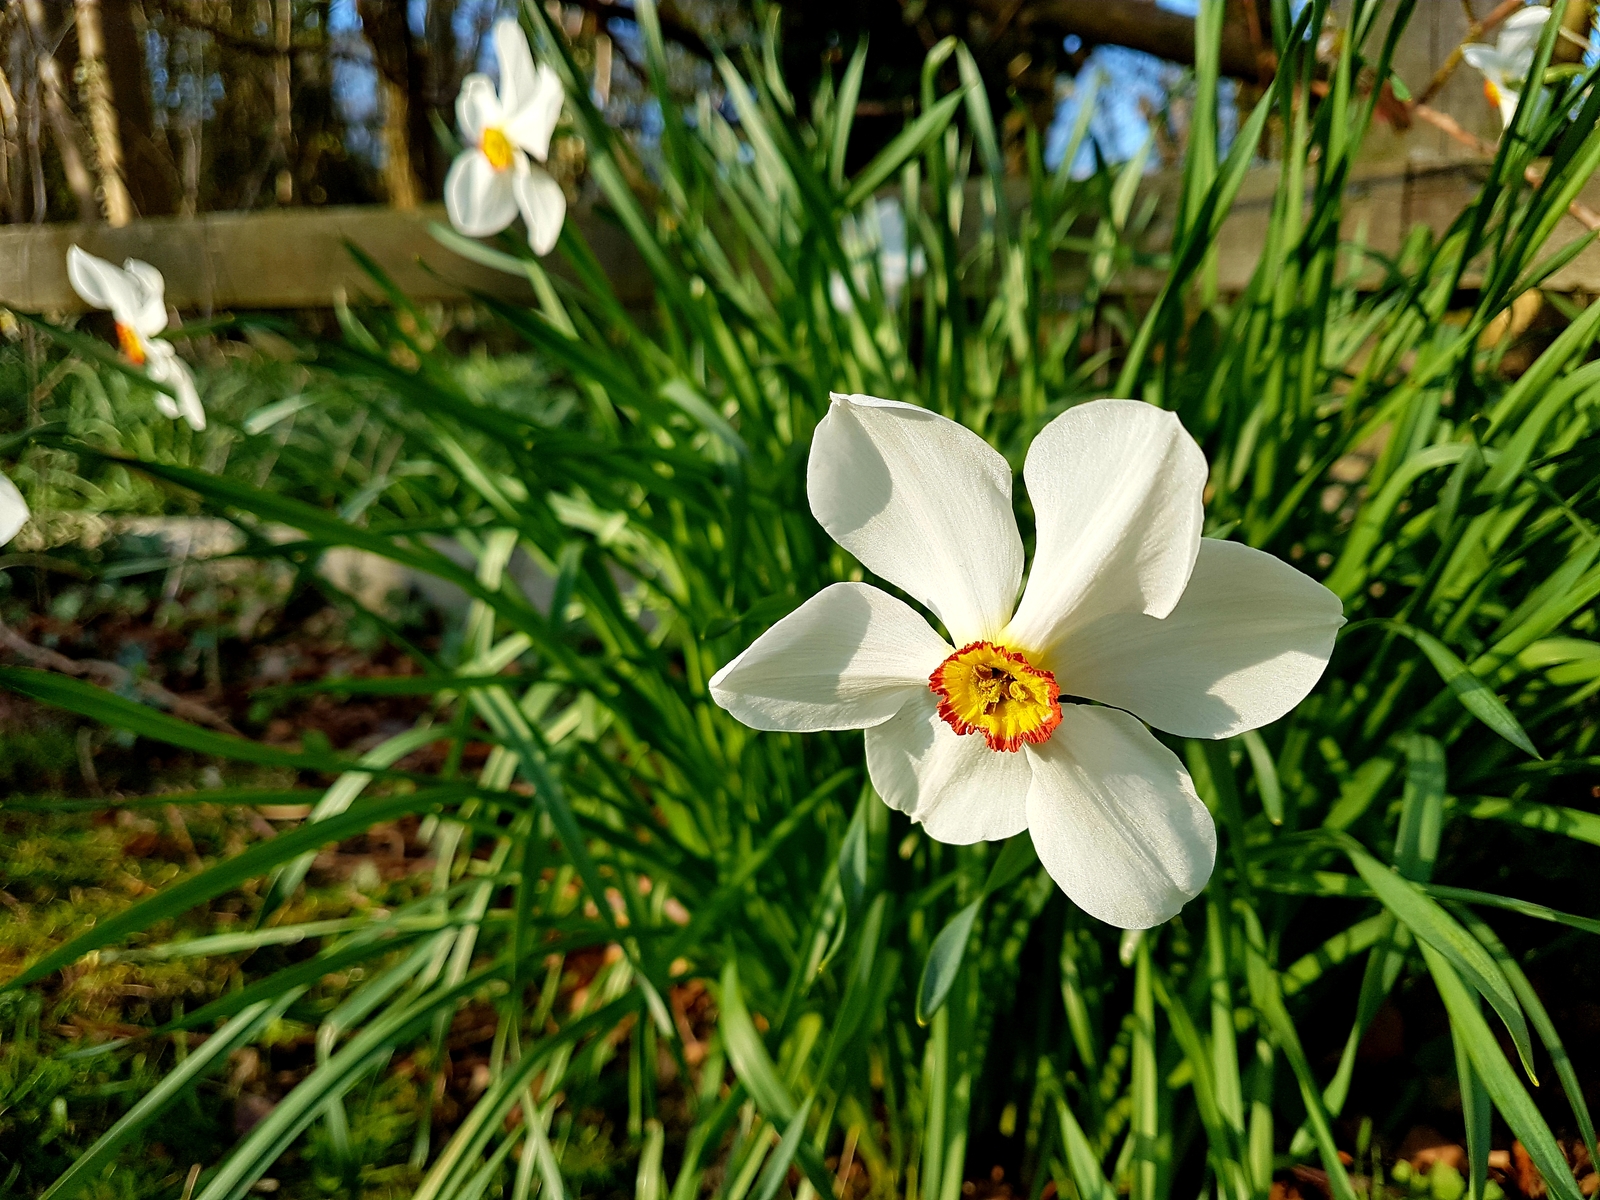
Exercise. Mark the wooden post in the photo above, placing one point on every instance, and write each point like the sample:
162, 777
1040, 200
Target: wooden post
283, 102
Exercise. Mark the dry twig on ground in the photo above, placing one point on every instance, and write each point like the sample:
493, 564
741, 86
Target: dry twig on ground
114, 676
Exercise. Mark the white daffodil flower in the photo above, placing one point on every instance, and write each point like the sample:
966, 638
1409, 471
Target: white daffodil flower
136, 295
492, 180
1505, 65
1126, 605
13, 510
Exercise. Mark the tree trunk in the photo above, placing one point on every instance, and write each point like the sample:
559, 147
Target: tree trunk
147, 166
437, 75
102, 104
384, 23
62, 125
399, 176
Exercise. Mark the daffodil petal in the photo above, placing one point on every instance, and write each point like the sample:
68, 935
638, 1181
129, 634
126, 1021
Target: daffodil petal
951, 784
479, 199
1115, 819
531, 124
847, 658
1485, 59
1499, 74
477, 108
543, 205
1507, 64
923, 502
518, 79
1116, 488
103, 285
1519, 37
13, 510
1508, 99
158, 366
1247, 642
164, 366
150, 317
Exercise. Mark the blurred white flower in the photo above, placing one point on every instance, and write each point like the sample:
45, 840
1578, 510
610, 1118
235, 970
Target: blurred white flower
1126, 605
492, 180
896, 268
839, 292
13, 510
1505, 65
135, 293
880, 231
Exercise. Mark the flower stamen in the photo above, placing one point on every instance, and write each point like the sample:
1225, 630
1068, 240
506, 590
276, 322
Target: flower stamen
985, 688
496, 147
132, 345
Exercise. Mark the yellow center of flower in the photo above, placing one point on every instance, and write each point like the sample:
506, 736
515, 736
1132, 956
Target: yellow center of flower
131, 344
1491, 91
987, 689
496, 147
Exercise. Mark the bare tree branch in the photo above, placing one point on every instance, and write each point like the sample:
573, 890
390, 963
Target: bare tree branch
11, 170
1141, 25
55, 106
672, 26
1449, 126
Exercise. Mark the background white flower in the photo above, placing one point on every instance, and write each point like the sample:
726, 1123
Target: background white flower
492, 179
135, 293
1505, 65
13, 510
1125, 604
879, 231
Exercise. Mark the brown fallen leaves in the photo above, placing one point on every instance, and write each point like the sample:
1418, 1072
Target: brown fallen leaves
1425, 1151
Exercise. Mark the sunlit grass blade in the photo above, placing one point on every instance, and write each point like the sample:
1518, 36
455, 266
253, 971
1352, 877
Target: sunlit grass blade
1499, 1079
1437, 928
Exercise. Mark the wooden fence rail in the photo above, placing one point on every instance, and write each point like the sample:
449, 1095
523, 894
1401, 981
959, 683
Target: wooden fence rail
278, 258
297, 258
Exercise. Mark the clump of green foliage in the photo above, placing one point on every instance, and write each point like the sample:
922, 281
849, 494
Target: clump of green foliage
879, 997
